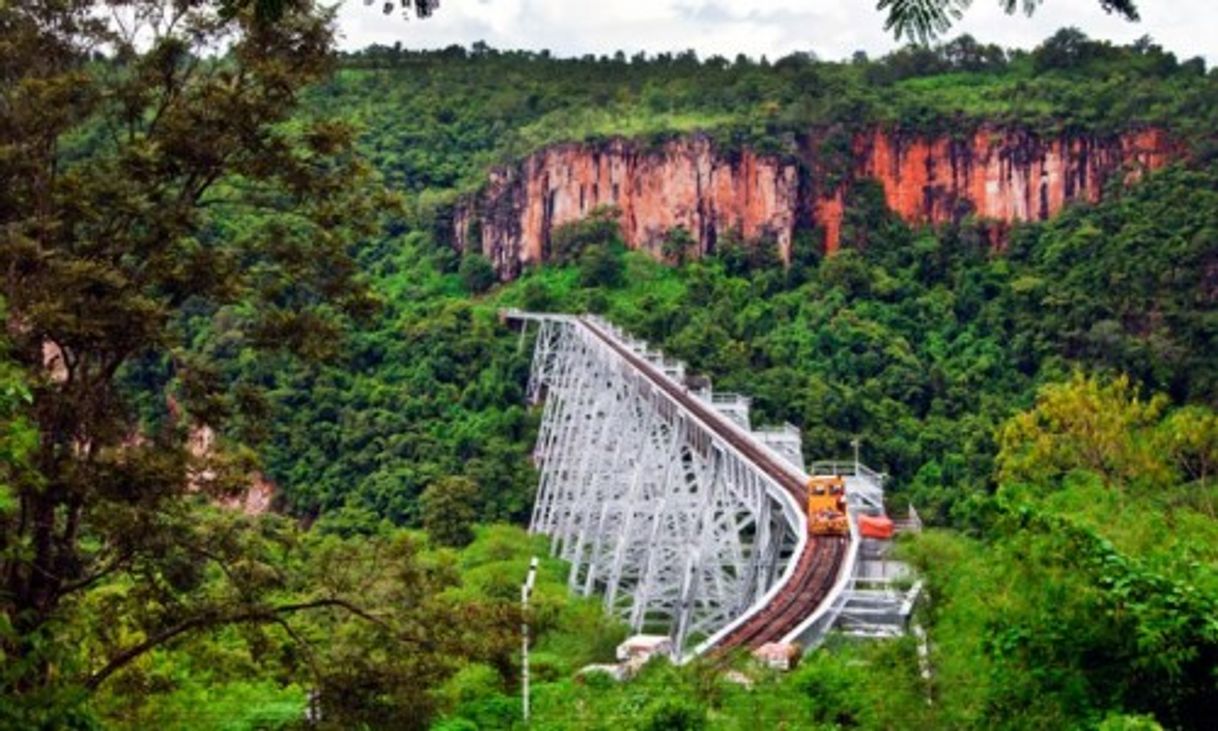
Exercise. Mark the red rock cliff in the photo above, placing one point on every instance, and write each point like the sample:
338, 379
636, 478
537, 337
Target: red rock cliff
999, 175
685, 182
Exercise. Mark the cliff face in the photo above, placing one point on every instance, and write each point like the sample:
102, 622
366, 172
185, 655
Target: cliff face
685, 182
1000, 175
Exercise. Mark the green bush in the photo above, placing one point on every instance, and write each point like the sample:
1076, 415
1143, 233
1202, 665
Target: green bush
477, 273
600, 265
673, 714
569, 240
678, 245
448, 509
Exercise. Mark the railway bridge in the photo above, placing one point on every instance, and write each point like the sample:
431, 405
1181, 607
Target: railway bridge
669, 505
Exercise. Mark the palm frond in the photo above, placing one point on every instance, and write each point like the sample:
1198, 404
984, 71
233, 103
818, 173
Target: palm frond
925, 20
922, 20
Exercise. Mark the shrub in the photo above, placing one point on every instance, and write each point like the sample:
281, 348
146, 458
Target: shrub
600, 266
600, 228
448, 510
678, 245
477, 273
674, 714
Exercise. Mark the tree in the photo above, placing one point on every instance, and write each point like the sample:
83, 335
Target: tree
678, 244
966, 54
1067, 48
924, 20
1087, 423
674, 714
17, 435
536, 297
569, 240
600, 265
477, 273
1189, 436
136, 186
448, 507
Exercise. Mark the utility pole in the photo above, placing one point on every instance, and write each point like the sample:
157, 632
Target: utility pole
855, 443
526, 590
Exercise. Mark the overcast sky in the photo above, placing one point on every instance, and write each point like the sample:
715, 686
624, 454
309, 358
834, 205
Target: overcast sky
833, 29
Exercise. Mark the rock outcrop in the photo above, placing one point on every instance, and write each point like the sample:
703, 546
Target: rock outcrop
254, 499
999, 175
684, 182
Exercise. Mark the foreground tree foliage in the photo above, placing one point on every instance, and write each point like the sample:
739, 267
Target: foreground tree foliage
433, 627
1097, 575
116, 173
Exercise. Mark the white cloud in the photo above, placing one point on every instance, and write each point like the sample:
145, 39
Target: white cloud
831, 28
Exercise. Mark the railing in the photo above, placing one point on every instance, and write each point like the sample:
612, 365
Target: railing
811, 632
784, 428
845, 468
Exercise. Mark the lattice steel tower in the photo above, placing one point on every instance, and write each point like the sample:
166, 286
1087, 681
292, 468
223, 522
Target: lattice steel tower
652, 507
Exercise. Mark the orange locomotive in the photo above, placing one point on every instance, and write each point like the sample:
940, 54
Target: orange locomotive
827, 506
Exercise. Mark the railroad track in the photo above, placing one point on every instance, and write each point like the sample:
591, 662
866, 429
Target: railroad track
808, 587
817, 567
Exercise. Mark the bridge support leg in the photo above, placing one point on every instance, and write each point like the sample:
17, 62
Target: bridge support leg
660, 439
691, 574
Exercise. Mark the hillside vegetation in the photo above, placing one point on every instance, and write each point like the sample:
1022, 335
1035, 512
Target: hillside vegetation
438, 120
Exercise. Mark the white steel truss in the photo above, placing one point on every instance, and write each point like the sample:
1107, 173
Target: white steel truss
653, 509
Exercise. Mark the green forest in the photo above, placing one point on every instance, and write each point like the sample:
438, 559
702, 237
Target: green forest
261, 241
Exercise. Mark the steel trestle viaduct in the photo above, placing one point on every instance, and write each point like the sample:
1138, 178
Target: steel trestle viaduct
666, 503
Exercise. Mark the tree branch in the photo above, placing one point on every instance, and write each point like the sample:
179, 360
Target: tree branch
208, 620
87, 581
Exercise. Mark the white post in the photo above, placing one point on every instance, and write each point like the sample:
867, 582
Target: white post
855, 443
526, 590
